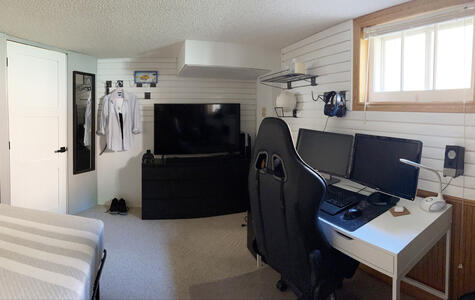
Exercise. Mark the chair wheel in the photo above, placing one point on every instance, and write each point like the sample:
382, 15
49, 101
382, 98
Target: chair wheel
281, 285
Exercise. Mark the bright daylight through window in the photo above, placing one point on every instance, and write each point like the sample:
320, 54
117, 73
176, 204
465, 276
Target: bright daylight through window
432, 63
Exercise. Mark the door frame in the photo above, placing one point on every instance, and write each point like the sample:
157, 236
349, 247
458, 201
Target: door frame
5, 182
4, 126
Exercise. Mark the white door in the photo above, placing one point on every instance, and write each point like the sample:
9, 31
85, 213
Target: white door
38, 128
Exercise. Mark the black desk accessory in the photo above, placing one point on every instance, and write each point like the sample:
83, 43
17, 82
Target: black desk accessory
381, 199
352, 213
339, 199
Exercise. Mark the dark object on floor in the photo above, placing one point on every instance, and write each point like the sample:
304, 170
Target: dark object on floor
123, 209
114, 208
96, 288
352, 213
285, 195
469, 296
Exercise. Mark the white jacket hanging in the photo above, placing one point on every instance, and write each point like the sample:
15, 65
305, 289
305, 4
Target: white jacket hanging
110, 123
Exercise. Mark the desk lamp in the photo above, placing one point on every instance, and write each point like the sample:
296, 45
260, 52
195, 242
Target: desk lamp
432, 203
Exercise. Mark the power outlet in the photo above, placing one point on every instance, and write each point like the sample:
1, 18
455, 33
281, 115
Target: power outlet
263, 112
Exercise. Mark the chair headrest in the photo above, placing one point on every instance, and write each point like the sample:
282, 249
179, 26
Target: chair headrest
274, 134
275, 148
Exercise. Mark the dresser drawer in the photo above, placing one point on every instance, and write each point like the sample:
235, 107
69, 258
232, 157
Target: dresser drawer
367, 254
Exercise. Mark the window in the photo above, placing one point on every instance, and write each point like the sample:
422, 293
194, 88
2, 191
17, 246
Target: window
427, 64
416, 56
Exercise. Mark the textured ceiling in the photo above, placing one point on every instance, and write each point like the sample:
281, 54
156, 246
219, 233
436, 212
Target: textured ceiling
118, 28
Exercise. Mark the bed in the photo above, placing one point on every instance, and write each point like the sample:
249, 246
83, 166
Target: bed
46, 255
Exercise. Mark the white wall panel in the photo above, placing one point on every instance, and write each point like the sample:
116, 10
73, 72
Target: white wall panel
119, 173
328, 54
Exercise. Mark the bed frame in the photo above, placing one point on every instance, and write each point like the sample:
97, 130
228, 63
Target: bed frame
96, 288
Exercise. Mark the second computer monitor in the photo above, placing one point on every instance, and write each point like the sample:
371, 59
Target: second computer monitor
325, 151
376, 164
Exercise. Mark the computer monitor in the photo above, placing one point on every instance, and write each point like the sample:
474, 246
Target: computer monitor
376, 164
326, 152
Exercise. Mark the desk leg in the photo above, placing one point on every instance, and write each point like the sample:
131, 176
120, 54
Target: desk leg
396, 288
447, 262
442, 295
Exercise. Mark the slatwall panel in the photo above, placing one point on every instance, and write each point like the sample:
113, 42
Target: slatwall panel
329, 55
116, 171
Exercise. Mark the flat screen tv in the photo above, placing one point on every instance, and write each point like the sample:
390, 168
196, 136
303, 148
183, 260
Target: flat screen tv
196, 128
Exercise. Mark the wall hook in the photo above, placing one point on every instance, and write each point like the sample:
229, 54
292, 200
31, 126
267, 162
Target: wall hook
319, 97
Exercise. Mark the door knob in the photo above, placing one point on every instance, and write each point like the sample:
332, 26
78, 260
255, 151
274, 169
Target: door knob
61, 150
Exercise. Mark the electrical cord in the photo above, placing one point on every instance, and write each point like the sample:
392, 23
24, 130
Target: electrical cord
448, 183
326, 123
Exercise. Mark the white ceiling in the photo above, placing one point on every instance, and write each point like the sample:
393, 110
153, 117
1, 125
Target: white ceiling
120, 28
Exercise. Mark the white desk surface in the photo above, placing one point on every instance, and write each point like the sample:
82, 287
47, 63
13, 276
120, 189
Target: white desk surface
390, 233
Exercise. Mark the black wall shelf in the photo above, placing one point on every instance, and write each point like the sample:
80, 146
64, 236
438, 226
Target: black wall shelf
288, 78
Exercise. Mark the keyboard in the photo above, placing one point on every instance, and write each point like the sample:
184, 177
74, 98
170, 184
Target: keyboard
338, 199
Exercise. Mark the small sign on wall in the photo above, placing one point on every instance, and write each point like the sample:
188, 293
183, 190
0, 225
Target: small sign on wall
148, 77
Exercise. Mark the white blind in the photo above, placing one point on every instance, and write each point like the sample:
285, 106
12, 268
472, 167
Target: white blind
438, 16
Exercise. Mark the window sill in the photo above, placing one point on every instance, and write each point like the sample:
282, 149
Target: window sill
441, 107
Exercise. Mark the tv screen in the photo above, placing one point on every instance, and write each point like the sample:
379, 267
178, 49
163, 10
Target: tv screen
196, 128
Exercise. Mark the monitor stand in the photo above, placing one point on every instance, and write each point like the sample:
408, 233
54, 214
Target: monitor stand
381, 199
332, 180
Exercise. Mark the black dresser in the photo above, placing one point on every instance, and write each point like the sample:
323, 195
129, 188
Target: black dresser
176, 188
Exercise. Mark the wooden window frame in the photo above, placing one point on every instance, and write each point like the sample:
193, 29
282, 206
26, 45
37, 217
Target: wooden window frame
360, 58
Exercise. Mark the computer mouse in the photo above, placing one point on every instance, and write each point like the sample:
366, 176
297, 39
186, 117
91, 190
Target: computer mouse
352, 213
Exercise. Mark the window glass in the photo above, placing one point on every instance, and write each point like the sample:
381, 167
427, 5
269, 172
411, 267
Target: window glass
421, 61
454, 55
392, 64
376, 43
414, 61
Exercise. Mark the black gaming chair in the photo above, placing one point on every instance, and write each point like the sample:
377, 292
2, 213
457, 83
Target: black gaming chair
285, 196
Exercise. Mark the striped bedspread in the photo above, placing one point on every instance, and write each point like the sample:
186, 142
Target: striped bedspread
46, 255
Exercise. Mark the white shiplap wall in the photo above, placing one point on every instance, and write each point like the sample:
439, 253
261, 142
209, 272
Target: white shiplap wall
119, 173
328, 54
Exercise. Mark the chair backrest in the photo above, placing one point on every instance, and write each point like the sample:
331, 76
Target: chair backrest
285, 195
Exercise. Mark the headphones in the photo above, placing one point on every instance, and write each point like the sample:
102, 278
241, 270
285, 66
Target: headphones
335, 104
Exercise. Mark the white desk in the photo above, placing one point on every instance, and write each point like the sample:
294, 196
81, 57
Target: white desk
394, 245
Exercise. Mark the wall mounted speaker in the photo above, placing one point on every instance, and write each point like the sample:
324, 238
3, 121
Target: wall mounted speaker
454, 161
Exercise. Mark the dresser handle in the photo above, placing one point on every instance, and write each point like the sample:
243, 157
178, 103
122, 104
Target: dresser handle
344, 236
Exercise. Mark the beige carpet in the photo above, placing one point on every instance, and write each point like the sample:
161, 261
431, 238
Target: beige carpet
202, 258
